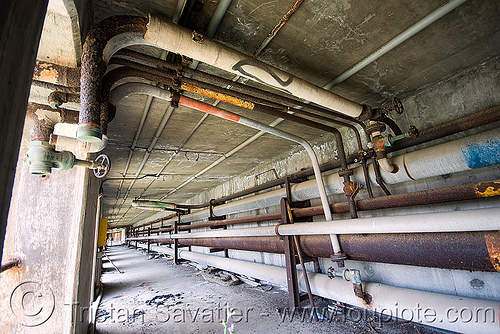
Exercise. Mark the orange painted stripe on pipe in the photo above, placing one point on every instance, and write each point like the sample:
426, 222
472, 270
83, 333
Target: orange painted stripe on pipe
186, 101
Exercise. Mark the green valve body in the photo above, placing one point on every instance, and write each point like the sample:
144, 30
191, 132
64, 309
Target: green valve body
42, 157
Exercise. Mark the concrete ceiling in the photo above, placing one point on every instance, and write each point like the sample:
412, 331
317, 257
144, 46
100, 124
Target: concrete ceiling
321, 40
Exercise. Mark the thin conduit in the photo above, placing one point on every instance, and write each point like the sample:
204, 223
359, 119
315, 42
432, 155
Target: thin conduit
405, 35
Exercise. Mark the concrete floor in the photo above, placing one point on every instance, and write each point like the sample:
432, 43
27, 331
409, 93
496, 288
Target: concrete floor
154, 296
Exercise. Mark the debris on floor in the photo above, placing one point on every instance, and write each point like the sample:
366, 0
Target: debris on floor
220, 277
162, 299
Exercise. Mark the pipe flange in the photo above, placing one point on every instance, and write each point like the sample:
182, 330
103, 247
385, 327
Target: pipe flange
339, 258
375, 127
276, 229
345, 172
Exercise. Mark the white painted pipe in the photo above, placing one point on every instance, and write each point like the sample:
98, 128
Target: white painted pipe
463, 154
456, 221
433, 309
171, 37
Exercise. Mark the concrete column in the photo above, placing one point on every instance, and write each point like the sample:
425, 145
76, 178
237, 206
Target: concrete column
51, 227
20, 28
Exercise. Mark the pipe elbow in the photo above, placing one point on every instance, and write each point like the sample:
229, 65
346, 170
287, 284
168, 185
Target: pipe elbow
93, 69
387, 166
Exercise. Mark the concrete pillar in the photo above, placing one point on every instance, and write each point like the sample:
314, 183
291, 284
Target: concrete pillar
20, 28
51, 227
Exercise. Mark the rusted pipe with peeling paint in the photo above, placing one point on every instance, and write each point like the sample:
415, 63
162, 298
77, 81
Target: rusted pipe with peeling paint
475, 251
57, 74
94, 67
462, 192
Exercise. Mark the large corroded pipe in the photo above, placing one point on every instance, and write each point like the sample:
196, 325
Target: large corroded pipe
93, 69
476, 251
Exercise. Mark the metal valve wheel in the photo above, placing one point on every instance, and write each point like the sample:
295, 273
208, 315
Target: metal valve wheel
103, 166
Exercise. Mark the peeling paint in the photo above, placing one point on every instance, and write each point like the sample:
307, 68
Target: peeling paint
492, 240
488, 189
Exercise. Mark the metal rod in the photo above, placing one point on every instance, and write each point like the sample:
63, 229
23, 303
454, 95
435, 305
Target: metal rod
11, 263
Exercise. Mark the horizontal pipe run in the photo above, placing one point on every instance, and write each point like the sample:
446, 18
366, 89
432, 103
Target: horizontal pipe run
456, 221
462, 192
460, 155
284, 100
473, 251
383, 296
179, 40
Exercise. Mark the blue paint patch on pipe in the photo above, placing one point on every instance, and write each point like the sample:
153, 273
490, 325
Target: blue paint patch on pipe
482, 154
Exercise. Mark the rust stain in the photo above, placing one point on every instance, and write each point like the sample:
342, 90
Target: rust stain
492, 240
48, 74
488, 189
218, 96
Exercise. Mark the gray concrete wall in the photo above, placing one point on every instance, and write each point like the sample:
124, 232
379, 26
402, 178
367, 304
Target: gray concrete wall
51, 226
19, 35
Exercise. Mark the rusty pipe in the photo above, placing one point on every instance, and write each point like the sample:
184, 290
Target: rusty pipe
222, 94
94, 67
462, 192
57, 74
476, 251
225, 82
